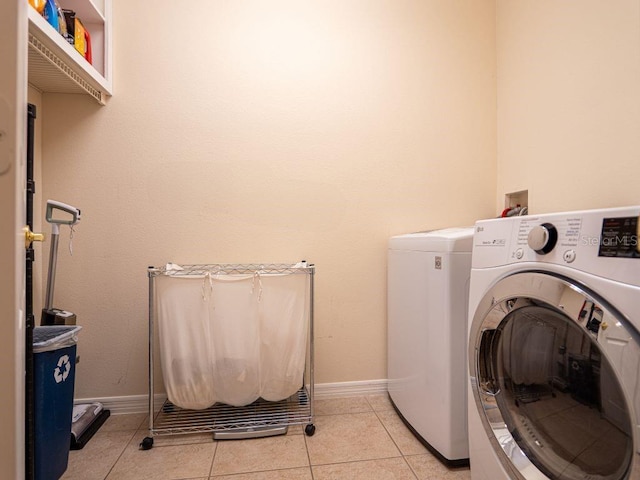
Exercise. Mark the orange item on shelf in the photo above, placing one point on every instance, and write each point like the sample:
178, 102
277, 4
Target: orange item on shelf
78, 37
38, 4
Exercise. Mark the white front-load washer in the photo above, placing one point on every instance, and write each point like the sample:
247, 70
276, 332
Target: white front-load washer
427, 302
554, 347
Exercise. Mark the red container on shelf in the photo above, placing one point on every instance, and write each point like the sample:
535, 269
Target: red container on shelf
87, 44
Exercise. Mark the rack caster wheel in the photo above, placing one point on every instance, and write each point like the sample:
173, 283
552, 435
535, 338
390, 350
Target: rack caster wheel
146, 443
310, 430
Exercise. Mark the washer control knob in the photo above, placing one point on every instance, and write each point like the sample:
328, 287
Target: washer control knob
542, 238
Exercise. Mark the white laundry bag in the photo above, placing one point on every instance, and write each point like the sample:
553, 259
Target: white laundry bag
184, 331
234, 349
283, 334
231, 338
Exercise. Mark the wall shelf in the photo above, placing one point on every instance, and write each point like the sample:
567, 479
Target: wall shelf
56, 67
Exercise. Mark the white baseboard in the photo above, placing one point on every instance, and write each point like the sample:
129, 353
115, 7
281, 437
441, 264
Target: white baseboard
322, 391
127, 404
349, 389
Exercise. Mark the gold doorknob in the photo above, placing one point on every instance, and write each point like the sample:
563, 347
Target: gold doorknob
30, 237
604, 325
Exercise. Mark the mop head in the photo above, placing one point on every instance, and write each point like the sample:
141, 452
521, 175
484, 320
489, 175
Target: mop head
87, 419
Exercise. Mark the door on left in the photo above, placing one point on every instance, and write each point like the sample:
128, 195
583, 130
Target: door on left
13, 114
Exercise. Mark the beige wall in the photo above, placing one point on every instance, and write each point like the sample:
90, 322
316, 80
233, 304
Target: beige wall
270, 131
569, 102
317, 132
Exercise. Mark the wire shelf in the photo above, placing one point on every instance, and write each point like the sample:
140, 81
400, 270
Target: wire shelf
173, 420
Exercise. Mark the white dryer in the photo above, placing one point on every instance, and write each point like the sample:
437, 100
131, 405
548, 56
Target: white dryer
428, 288
554, 347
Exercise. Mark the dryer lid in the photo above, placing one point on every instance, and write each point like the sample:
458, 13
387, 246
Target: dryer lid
458, 239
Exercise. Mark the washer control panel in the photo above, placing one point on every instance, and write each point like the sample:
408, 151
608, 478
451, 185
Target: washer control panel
604, 242
542, 236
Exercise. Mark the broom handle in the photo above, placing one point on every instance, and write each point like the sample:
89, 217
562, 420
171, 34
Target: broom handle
53, 260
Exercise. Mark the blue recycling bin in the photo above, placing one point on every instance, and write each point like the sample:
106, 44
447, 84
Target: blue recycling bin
54, 359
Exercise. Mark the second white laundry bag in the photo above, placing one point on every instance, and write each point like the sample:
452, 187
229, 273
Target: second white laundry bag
235, 345
283, 322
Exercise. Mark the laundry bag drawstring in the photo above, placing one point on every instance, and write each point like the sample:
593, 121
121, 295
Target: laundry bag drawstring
258, 279
207, 277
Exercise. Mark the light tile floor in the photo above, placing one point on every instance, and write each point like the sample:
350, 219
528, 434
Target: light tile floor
356, 438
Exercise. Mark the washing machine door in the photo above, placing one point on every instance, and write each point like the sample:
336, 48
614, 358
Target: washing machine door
555, 377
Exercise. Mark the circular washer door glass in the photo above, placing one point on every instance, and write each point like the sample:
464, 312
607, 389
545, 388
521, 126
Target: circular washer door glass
544, 370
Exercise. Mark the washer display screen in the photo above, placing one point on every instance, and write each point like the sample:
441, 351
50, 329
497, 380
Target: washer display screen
619, 237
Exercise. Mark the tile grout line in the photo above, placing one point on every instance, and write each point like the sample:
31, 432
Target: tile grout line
213, 460
113, 465
404, 459
306, 447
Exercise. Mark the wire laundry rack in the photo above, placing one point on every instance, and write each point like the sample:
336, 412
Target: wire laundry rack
260, 418
233, 269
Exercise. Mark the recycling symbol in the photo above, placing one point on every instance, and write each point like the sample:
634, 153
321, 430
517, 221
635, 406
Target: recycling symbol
61, 372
